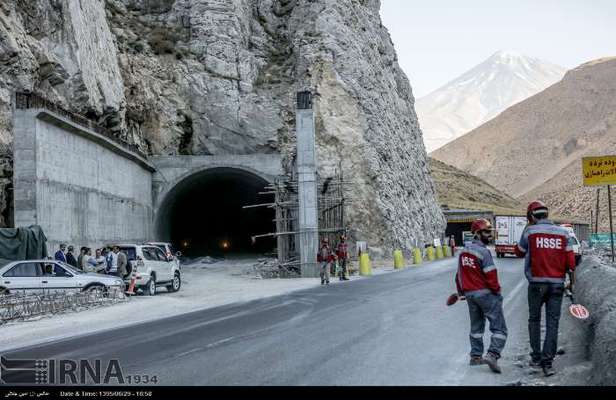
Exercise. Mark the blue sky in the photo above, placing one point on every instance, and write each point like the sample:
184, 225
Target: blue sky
437, 40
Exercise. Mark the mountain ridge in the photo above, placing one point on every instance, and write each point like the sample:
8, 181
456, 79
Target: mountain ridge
481, 93
533, 150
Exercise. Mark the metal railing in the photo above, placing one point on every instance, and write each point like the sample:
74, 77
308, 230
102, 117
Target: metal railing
20, 305
25, 101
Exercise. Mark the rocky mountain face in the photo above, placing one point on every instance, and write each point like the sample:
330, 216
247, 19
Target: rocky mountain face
534, 149
505, 78
220, 77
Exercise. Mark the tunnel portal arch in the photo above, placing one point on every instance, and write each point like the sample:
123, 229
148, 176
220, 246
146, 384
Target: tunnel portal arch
201, 210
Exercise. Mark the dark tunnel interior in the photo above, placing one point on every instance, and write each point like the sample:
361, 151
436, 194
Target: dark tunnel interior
203, 214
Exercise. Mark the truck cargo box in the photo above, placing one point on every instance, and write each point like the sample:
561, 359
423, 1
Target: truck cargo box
508, 232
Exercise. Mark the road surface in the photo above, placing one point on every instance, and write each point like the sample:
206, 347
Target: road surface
390, 329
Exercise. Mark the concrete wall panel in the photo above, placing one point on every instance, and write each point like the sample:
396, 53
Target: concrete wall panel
80, 187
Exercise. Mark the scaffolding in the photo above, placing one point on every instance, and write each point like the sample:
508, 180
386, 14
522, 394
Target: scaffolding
332, 197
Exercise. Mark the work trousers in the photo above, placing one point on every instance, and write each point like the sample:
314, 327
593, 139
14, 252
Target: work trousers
481, 307
325, 265
552, 296
342, 263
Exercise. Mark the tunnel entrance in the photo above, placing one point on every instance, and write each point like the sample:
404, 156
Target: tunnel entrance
203, 215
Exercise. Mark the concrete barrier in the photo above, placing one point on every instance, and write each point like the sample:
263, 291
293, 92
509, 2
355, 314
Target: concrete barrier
399, 262
595, 288
447, 251
417, 258
430, 253
365, 266
439, 252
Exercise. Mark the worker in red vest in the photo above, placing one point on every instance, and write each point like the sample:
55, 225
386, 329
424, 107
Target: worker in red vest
548, 259
342, 252
325, 257
477, 282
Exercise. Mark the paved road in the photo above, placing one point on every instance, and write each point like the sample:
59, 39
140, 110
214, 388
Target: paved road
391, 329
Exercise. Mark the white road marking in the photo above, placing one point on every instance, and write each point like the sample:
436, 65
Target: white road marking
512, 295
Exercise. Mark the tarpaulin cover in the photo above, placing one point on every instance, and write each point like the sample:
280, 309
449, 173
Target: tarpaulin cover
22, 244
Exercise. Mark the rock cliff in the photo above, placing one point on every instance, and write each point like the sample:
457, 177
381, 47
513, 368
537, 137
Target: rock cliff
220, 77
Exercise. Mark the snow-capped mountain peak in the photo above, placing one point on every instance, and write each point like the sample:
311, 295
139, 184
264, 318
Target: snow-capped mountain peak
505, 78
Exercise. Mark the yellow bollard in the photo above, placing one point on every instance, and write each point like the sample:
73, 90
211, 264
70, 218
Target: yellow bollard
439, 252
447, 251
365, 266
417, 259
398, 259
430, 253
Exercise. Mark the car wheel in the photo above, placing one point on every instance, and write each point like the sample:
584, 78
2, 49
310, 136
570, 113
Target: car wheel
176, 283
97, 289
151, 288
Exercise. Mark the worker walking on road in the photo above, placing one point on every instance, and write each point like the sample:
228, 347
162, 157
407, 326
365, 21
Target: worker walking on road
477, 282
342, 252
548, 258
325, 257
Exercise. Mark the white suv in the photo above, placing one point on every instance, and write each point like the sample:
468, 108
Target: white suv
152, 268
169, 251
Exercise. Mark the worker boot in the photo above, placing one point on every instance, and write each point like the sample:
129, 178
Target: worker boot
548, 370
476, 360
492, 360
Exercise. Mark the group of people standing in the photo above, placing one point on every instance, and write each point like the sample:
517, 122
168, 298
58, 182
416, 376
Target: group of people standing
107, 260
327, 257
548, 260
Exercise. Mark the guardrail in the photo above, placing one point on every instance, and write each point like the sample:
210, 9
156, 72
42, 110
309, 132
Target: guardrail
15, 306
25, 101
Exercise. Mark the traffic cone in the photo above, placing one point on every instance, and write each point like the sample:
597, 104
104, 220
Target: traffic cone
398, 259
131, 286
439, 252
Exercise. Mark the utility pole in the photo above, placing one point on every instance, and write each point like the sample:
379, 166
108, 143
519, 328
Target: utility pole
307, 185
609, 206
597, 212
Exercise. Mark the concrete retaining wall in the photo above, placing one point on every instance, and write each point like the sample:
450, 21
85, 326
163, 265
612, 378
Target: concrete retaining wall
596, 289
79, 186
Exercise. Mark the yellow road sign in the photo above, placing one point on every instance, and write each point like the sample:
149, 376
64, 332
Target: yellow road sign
599, 171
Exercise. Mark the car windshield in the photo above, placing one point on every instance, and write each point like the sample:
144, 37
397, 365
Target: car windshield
572, 241
70, 268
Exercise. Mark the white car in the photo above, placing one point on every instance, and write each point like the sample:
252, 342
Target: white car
574, 243
151, 268
48, 276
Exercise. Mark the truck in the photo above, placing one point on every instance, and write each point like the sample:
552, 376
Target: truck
509, 229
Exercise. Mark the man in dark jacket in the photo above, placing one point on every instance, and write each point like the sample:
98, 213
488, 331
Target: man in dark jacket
60, 254
70, 257
548, 258
477, 281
